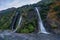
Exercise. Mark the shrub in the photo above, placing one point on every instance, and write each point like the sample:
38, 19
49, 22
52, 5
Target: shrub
24, 30
54, 26
57, 8
31, 28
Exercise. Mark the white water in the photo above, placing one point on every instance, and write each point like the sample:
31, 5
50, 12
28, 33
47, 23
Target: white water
14, 20
40, 23
7, 32
18, 24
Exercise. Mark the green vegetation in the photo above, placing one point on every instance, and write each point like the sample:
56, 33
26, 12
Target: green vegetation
28, 29
28, 12
6, 19
57, 8
29, 21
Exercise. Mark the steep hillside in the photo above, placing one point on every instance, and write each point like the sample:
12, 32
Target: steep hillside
49, 11
54, 16
6, 17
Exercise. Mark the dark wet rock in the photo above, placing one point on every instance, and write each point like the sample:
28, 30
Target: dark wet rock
1, 38
16, 36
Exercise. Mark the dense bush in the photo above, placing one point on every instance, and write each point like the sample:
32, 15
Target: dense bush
57, 8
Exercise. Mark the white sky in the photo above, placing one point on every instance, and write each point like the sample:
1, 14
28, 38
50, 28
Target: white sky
4, 4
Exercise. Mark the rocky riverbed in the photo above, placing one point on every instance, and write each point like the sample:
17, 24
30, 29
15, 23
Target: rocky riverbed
31, 36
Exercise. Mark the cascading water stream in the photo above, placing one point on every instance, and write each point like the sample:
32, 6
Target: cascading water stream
6, 32
40, 23
18, 24
14, 21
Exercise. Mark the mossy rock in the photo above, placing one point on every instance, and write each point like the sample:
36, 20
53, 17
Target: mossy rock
54, 26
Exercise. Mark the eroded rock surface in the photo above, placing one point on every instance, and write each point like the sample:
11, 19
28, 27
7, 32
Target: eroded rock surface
17, 36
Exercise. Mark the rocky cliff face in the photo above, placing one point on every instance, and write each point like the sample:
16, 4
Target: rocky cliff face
53, 16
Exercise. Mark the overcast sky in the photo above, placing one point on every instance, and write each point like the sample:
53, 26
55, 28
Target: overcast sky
4, 4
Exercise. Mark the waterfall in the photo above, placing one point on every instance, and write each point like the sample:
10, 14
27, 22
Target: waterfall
7, 32
40, 23
18, 24
14, 20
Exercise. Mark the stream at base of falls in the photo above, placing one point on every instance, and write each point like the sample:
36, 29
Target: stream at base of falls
40, 23
22, 36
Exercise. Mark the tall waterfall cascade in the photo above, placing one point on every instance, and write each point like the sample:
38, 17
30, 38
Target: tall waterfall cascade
18, 26
7, 32
40, 23
14, 20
